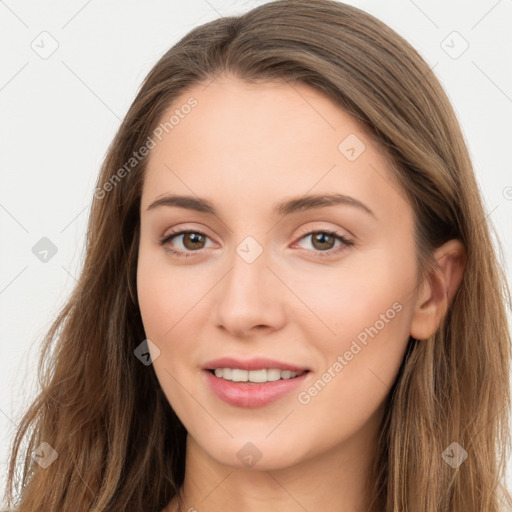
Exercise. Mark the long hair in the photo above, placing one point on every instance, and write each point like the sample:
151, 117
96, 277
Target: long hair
120, 445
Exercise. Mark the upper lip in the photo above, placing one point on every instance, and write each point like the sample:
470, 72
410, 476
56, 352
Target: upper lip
257, 363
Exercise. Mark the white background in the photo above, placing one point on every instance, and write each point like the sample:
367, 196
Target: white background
60, 113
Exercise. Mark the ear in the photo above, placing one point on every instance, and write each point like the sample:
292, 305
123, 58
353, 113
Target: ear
438, 289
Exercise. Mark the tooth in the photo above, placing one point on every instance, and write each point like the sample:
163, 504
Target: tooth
273, 374
258, 376
239, 375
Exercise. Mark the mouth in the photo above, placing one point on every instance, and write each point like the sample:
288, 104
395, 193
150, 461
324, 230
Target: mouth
235, 386
262, 376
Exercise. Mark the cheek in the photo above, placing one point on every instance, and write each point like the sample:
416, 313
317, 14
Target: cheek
163, 306
339, 303
164, 292
359, 365
173, 307
154, 303
360, 330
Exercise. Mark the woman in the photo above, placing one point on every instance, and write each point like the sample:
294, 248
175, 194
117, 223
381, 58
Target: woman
215, 354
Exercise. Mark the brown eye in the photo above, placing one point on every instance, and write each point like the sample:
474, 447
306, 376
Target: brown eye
323, 241
193, 240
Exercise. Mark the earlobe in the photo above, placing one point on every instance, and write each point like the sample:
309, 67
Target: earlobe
438, 289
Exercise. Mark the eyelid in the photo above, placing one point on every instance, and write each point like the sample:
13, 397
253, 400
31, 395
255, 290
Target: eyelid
302, 232
181, 228
322, 229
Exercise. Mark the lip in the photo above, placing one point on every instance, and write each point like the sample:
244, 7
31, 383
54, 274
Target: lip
251, 396
257, 363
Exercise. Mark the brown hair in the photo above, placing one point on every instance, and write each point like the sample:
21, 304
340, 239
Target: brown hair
120, 446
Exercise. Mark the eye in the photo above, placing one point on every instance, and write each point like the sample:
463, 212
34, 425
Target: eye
325, 239
192, 241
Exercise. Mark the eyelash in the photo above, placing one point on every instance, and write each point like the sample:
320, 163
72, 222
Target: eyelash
331, 252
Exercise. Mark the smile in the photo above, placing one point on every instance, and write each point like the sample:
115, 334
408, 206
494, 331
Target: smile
248, 394
255, 376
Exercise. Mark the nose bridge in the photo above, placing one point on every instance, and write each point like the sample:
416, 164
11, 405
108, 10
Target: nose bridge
248, 298
248, 272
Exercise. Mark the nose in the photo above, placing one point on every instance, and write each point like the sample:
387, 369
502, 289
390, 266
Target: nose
250, 297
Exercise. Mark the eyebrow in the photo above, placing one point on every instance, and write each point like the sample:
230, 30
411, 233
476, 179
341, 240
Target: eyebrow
283, 208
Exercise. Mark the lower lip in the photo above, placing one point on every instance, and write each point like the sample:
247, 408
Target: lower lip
241, 394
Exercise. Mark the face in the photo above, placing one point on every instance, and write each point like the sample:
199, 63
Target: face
326, 287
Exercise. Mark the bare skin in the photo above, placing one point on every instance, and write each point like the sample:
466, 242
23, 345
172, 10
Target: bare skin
246, 147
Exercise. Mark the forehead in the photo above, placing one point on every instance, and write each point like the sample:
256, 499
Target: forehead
245, 142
